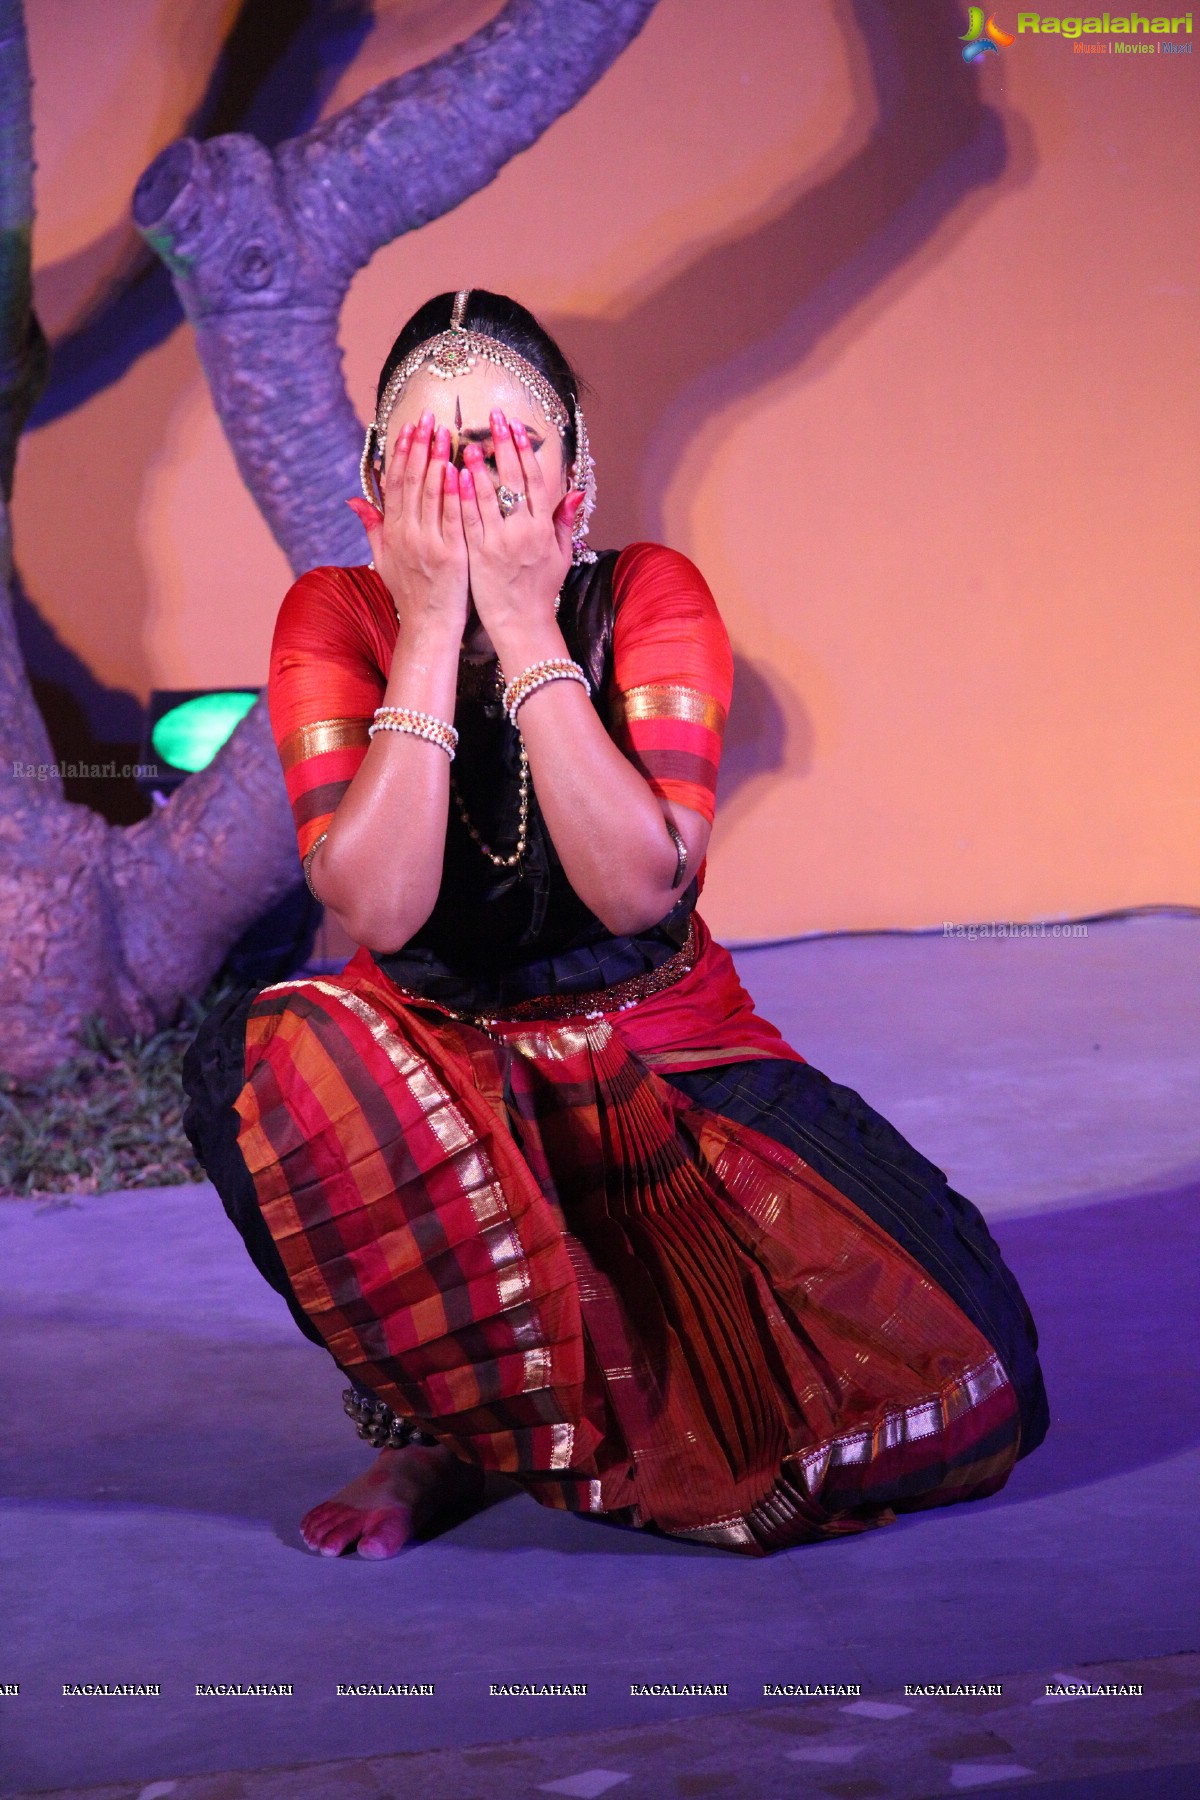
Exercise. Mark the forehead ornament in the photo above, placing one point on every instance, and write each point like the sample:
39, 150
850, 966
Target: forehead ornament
453, 352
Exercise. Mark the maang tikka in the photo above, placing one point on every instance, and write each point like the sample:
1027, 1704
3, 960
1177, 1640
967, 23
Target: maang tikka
453, 352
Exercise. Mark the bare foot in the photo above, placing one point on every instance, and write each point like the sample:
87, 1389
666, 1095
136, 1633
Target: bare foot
381, 1509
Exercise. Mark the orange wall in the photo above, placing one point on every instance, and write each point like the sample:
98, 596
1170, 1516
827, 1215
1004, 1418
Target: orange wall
927, 421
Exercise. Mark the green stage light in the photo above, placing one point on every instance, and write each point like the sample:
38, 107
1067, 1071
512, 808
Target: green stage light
189, 735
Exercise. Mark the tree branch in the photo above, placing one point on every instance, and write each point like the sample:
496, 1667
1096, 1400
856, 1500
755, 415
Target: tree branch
262, 248
23, 736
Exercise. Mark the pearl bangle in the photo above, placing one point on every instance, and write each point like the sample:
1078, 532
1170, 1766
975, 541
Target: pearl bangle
551, 668
415, 724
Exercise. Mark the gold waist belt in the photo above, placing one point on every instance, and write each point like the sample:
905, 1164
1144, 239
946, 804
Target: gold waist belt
617, 998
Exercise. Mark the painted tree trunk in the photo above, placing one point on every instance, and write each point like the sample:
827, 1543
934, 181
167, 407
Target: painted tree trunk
262, 247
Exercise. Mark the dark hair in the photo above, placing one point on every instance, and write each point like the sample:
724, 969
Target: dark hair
495, 315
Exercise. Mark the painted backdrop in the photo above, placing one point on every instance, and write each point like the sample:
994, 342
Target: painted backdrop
901, 350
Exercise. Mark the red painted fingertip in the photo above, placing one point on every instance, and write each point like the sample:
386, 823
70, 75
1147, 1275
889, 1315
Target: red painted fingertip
363, 511
451, 478
441, 443
465, 481
520, 434
499, 424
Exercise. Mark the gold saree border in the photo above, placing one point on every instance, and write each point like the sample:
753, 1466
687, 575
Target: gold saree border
479, 1181
319, 737
667, 700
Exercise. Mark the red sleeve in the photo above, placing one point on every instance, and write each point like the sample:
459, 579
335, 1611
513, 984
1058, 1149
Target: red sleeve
672, 674
324, 684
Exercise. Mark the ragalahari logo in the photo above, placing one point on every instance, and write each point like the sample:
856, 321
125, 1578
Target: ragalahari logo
980, 37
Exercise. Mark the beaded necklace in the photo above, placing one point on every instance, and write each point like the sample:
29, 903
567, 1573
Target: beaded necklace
475, 688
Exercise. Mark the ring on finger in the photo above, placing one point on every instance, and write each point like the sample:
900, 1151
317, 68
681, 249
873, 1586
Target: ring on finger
508, 499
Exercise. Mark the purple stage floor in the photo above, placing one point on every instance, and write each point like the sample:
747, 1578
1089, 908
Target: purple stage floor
165, 1426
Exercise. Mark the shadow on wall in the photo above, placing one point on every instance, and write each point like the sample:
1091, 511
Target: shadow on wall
87, 722
752, 309
707, 340
88, 719
768, 725
279, 61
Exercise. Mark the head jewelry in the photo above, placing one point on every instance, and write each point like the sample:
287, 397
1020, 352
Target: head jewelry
453, 352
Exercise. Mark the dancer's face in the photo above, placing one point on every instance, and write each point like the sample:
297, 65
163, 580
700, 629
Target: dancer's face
464, 405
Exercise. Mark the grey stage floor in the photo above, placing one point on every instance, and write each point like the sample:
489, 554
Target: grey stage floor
166, 1426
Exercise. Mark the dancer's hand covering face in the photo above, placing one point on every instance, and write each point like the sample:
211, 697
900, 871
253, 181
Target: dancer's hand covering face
417, 541
441, 516
517, 562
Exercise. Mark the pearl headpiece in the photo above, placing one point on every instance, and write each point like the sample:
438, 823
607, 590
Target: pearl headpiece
453, 352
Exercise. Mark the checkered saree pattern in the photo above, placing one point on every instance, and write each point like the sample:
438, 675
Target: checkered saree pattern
532, 1245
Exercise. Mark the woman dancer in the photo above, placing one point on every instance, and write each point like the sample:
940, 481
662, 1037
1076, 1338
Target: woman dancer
556, 1199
